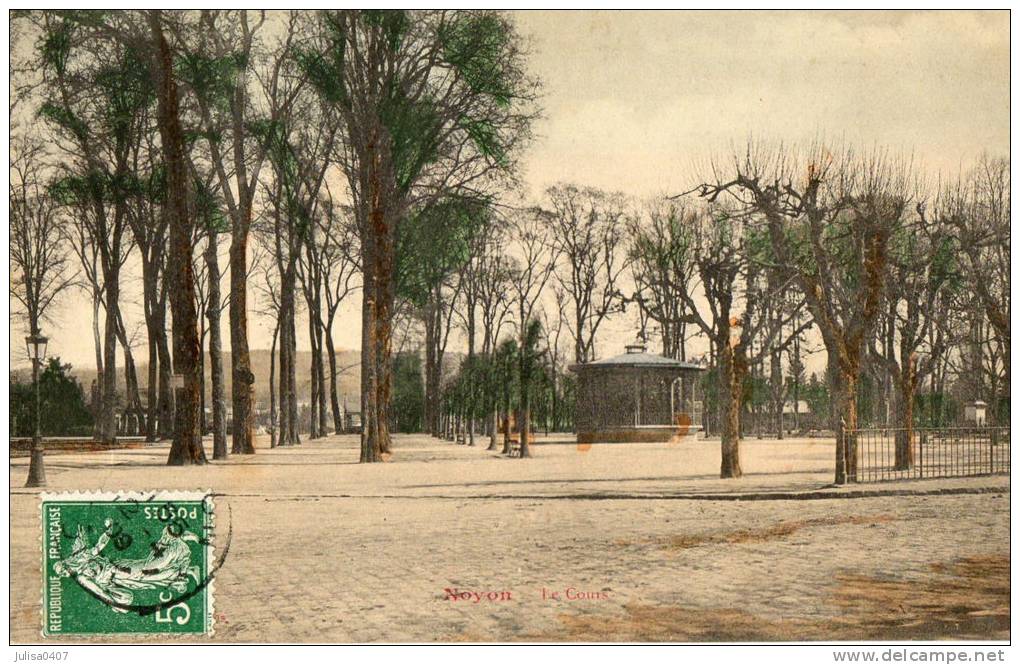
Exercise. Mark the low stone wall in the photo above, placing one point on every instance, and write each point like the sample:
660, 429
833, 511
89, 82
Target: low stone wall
20, 447
662, 434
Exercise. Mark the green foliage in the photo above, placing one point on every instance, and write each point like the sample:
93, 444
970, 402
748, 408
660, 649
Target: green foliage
435, 241
393, 23
530, 353
477, 45
816, 393
126, 88
76, 190
83, 190
209, 208
325, 68
213, 80
936, 410
479, 48
505, 371
55, 47
414, 127
412, 124
408, 393
274, 136
486, 138
62, 401
64, 117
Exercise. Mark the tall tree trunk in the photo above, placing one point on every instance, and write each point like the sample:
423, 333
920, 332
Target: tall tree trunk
843, 389
166, 393
292, 376
273, 424
152, 379
219, 407
730, 392
334, 398
906, 385
370, 449
98, 429
384, 352
506, 414
313, 379
187, 444
323, 404
493, 430
242, 387
284, 437
108, 415
201, 373
133, 399
288, 356
378, 262
432, 415
525, 425
472, 397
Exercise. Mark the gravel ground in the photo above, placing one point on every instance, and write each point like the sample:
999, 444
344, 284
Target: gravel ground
621, 542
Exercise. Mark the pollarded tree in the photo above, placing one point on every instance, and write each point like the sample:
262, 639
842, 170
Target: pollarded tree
829, 217
432, 102
730, 283
922, 267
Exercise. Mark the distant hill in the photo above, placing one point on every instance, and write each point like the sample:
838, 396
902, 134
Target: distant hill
348, 364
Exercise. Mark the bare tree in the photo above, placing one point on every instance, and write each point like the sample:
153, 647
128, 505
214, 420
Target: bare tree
340, 269
829, 218
41, 267
920, 268
663, 270
489, 275
589, 232
978, 209
532, 264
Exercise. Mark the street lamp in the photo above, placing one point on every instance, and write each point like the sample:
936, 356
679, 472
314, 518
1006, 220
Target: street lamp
35, 344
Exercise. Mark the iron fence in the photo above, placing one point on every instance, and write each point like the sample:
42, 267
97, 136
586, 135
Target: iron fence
945, 452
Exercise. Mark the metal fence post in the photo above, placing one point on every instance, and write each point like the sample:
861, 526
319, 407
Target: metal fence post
992, 435
920, 454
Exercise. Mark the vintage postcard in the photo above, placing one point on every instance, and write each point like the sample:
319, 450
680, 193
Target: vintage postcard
446, 326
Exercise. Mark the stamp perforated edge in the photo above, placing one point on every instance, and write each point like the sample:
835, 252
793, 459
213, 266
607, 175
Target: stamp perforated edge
86, 496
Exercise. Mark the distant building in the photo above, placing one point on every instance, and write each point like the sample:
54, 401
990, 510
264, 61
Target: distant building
802, 407
637, 396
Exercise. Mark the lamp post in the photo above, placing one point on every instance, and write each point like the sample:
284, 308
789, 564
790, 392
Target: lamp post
35, 344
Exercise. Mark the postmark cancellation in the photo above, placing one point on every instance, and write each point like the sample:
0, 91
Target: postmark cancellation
127, 563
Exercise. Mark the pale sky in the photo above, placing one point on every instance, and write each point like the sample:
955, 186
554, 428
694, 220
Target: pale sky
634, 101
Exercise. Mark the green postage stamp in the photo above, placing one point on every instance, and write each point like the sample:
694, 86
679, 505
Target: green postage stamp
127, 562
